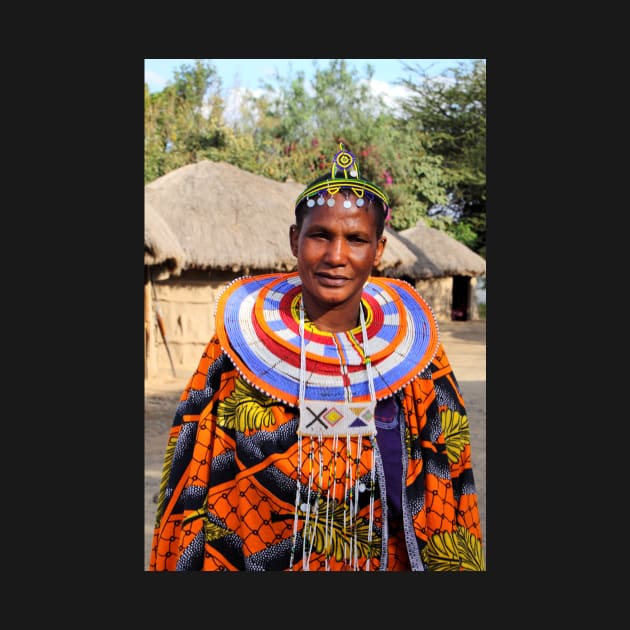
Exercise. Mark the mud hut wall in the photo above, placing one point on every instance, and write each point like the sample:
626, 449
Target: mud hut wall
438, 292
150, 330
473, 311
187, 307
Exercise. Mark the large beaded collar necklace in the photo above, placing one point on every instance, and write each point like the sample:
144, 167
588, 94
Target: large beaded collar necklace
259, 327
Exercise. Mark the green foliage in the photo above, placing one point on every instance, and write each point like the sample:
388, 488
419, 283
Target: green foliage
429, 156
452, 113
300, 127
183, 123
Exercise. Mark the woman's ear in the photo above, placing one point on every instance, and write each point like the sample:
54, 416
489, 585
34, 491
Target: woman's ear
293, 239
380, 248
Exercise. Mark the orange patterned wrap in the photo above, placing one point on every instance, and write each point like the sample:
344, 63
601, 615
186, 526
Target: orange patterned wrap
241, 491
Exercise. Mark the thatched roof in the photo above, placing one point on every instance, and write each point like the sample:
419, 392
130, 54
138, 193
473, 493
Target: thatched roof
162, 250
396, 255
213, 215
227, 218
222, 217
437, 255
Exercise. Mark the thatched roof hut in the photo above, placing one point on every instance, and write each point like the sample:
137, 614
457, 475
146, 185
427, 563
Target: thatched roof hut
437, 255
444, 271
162, 251
397, 255
225, 218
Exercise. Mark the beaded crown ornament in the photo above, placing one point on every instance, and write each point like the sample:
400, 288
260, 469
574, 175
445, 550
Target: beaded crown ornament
344, 174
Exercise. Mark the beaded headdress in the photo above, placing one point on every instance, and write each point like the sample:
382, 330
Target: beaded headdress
344, 174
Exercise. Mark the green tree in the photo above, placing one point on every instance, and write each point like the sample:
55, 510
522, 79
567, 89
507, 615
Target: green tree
298, 127
452, 114
184, 122
429, 156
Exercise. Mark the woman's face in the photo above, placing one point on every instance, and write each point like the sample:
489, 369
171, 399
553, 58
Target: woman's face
336, 250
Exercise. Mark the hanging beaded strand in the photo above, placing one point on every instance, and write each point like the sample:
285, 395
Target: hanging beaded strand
352, 483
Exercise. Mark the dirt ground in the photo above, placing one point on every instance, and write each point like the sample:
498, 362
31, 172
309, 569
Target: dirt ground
465, 345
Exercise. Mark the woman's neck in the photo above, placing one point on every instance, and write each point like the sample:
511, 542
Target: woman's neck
333, 319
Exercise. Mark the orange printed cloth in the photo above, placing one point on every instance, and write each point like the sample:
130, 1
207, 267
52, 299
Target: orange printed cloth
227, 495
243, 489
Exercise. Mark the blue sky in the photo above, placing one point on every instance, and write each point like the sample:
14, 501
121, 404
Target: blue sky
247, 73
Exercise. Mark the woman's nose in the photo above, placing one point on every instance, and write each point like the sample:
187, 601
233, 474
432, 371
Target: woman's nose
336, 250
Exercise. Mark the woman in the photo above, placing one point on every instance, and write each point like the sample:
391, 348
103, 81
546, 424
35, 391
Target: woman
324, 429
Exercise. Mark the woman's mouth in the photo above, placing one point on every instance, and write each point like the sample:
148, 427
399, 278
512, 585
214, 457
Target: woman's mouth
331, 281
